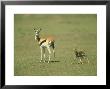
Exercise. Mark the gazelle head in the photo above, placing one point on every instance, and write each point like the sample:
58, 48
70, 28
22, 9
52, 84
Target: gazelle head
75, 50
37, 31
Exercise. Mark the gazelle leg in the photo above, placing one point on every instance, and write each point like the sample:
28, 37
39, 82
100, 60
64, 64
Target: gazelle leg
49, 54
80, 61
54, 53
53, 47
87, 60
75, 58
44, 53
41, 53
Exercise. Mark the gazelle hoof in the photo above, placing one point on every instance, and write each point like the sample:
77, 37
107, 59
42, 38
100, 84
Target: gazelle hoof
80, 62
40, 60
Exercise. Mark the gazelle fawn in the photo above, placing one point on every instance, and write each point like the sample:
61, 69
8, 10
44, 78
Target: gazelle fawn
81, 55
44, 43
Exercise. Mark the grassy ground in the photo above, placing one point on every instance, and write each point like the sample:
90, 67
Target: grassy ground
70, 31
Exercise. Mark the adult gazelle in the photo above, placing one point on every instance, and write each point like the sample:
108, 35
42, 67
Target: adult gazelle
44, 43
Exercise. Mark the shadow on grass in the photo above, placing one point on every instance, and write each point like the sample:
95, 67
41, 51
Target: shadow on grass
50, 61
54, 61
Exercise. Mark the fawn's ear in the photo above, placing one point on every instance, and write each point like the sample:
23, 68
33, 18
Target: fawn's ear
75, 49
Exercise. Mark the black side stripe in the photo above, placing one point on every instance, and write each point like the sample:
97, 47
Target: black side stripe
42, 42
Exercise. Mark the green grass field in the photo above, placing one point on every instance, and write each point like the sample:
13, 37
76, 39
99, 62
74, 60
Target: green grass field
70, 31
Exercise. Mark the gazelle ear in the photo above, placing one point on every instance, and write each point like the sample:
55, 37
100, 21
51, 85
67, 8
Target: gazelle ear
34, 29
75, 49
40, 29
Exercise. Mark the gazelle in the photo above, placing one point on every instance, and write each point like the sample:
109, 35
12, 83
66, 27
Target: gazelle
80, 55
44, 43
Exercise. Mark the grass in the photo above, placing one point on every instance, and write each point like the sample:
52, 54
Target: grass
70, 31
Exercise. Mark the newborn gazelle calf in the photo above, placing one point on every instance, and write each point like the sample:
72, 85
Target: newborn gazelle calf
80, 55
44, 43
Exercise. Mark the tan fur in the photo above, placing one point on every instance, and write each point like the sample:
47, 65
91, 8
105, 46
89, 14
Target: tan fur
48, 39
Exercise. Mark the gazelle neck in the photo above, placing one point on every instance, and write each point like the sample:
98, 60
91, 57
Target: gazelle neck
38, 38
